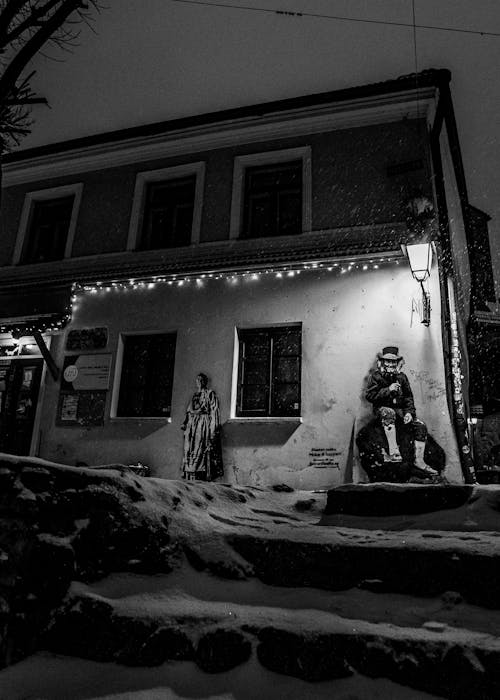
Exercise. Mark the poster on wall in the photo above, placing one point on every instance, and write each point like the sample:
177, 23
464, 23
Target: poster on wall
84, 387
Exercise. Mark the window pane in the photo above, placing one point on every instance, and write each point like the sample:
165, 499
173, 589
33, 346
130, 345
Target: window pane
256, 371
255, 398
286, 369
288, 342
260, 215
48, 230
290, 212
168, 213
255, 344
286, 400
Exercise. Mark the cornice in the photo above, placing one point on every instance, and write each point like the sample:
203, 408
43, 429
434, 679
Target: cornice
296, 122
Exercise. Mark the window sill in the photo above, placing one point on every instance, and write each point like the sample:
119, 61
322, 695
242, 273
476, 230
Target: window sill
268, 419
149, 419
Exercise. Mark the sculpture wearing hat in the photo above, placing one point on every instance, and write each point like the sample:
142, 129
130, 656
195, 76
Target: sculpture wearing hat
389, 387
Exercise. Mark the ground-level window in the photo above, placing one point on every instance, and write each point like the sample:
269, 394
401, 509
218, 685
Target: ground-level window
147, 375
269, 372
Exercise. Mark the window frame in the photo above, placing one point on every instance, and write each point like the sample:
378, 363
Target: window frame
118, 373
143, 179
271, 330
30, 199
241, 163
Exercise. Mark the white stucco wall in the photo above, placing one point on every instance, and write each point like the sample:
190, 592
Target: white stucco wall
346, 319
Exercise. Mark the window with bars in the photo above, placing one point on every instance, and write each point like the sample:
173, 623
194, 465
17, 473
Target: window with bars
147, 375
168, 213
272, 204
269, 371
48, 230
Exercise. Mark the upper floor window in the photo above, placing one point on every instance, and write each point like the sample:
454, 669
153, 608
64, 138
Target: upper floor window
47, 225
147, 371
166, 211
269, 372
168, 214
271, 194
272, 200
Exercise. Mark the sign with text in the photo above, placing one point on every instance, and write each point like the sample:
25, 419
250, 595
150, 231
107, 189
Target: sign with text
86, 372
324, 458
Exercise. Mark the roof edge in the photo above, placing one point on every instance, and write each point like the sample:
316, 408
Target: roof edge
432, 77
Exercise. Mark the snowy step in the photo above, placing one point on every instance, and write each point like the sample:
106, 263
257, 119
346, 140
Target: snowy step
311, 644
415, 563
384, 499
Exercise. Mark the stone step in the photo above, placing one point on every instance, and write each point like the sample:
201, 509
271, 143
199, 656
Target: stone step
384, 499
413, 563
309, 644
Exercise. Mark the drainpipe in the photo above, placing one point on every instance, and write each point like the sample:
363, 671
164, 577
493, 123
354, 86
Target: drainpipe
451, 351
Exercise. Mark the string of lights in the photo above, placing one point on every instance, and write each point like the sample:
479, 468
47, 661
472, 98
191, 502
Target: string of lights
57, 323
233, 276
338, 18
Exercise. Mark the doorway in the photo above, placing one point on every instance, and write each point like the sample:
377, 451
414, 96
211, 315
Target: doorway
19, 388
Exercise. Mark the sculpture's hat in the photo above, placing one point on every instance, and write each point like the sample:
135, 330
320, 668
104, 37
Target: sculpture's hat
390, 353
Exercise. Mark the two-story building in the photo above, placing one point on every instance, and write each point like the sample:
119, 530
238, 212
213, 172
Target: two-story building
260, 245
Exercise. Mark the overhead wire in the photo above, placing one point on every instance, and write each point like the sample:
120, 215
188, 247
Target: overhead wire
338, 18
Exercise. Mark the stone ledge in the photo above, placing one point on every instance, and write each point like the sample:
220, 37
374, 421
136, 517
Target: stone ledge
386, 499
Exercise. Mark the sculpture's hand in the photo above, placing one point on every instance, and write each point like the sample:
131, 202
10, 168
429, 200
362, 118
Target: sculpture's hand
407, 418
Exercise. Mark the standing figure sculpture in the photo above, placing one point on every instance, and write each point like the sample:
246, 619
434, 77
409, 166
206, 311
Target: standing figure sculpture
389, 387
202, 458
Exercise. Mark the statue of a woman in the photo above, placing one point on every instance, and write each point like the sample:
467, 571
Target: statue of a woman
202, 445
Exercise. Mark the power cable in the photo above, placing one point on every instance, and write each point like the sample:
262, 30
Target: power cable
338, 18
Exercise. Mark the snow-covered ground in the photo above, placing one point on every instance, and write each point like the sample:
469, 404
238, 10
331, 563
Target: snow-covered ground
49, 677
205, 517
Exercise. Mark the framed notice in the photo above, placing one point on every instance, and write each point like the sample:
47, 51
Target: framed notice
86, 372
84, 388
87, 339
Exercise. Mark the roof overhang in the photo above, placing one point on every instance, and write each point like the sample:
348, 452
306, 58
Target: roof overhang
38, 308
362, 242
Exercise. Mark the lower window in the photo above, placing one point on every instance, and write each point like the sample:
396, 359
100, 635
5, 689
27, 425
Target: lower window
269, 371
147, 375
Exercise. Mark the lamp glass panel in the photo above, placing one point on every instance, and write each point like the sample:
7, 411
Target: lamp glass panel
420, 258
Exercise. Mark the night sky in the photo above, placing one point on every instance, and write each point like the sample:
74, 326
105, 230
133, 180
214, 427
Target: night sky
160, 59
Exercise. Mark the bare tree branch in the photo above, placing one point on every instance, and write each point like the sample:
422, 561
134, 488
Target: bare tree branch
27, 27
16, 66
36, 17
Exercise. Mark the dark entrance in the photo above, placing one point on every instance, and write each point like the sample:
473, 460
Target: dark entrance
19, 387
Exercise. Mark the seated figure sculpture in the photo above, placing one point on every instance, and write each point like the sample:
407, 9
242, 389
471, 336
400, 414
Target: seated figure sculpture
387, 450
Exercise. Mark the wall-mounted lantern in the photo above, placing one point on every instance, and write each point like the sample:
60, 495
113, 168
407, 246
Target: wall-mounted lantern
418, 248
420, 259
